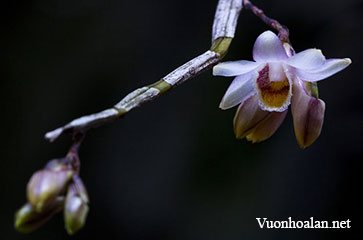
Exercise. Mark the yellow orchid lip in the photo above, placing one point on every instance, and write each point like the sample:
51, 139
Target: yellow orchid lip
273, 95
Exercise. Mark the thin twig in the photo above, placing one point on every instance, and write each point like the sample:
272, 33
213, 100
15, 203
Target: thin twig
72, 157
283, 31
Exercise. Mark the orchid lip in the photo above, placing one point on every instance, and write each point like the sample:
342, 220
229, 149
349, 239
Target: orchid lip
274, 96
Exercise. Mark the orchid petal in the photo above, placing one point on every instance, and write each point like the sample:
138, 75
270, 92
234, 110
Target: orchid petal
276, 72
308, 115
240, 89
308, 59
268, 48
266, 128
330, 67
229, 69
247, 117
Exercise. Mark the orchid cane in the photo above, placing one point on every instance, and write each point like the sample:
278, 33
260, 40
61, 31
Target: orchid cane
264, 89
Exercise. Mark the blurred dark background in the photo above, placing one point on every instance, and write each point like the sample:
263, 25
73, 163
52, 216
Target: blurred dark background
173, 168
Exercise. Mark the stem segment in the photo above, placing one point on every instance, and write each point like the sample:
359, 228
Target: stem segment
224, 26
283, 31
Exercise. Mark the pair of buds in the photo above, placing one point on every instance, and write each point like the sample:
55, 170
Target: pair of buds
55, 188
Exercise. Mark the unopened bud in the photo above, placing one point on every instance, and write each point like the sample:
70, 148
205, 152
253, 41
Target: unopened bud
75, 210
80, 188
56, 165
45, 186
27, 219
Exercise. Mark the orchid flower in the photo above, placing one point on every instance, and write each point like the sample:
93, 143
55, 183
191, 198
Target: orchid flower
264, 88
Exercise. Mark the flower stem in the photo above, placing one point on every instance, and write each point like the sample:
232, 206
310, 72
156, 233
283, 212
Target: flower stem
72, 156
283, 31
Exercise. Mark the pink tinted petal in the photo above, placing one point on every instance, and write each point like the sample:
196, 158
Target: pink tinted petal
234, 68
330, 67
308, 59
247, 116
268, 48
276, 72
308, 115
241, 88
266, 128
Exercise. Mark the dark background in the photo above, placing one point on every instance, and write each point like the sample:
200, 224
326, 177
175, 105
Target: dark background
173, 169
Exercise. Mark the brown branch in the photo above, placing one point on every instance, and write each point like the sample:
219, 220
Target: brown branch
283, 31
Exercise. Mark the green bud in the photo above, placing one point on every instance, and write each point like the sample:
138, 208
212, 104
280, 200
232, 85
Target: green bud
27, 219
45, 186
57, 165
81, 190
75, 210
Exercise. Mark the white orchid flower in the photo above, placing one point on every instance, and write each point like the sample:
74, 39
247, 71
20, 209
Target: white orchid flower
264, 89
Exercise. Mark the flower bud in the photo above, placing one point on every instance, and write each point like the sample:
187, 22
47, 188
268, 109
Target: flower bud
56, 165
27, 219
75, 210
80, 188
45, 186
308, 115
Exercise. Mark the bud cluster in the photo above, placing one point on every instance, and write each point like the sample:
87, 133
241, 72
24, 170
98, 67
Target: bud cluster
55, 188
